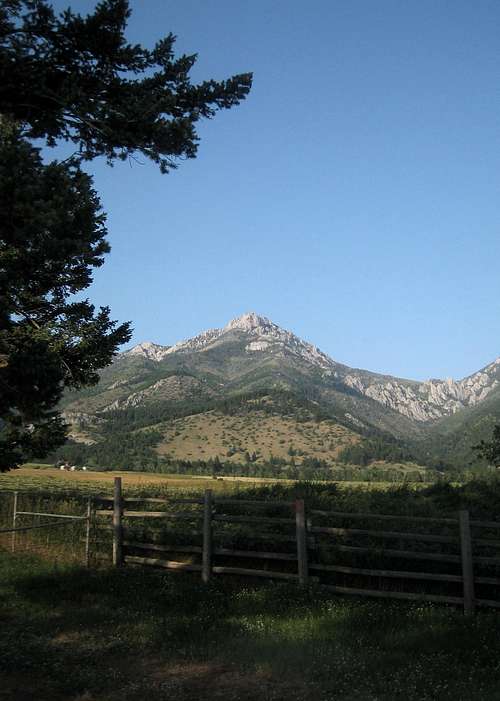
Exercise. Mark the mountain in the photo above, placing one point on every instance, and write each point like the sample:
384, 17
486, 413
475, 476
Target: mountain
151, 384
433, 399
421, 401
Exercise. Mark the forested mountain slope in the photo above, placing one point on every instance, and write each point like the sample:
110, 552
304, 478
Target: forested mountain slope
251, 356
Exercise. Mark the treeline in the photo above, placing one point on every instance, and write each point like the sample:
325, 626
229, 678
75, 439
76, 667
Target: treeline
276, 403
136, 453
372, 449
390, 450
119, 451
309, 470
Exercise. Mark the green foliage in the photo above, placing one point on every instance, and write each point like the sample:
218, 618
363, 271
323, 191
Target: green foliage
78, 79
53, 234
449, 444
490, 450
139, 634
120, 451
368, 450
441, 498
75, 79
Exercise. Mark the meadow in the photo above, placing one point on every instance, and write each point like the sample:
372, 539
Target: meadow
214, 434
107, 635
103, 634
45, 489
39, 477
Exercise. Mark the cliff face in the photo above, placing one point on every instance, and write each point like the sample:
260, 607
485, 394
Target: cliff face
431, 400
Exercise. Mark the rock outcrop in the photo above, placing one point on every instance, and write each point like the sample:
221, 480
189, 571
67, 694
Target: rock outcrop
431, 400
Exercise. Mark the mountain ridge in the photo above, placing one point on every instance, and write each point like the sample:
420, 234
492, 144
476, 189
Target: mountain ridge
418, 400
149, 387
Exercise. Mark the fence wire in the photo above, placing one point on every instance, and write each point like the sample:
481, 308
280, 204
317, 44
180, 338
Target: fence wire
52, 528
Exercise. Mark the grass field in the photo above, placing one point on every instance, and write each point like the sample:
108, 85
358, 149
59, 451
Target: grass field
129, 634
110, 635
43, 477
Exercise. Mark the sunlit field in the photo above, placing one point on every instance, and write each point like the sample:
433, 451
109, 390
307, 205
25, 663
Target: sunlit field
43, 477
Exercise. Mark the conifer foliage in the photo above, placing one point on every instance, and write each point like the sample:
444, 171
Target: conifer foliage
490, 450
74, 79
78, 79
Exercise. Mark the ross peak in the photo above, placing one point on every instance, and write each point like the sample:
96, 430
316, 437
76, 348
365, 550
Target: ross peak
248, 322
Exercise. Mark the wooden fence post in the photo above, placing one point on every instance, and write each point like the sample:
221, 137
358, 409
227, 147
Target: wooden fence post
117, 523
467, 564
14, 518
87, 532
206, 568
300, 526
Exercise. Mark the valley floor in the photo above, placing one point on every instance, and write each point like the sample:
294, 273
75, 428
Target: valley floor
81, 635
35, 477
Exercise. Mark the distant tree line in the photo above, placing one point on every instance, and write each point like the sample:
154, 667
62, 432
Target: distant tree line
136, 453
124, 446
369, 450
120, 451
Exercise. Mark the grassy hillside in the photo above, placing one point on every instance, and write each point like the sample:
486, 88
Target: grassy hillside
264, 433
254, 435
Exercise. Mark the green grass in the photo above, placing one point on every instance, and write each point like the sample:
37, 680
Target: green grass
41, 478
35, 478
105, 635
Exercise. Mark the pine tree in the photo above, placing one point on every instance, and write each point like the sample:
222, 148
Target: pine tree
74, 79
77, 79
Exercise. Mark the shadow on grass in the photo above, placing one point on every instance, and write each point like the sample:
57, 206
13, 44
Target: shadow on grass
135, 633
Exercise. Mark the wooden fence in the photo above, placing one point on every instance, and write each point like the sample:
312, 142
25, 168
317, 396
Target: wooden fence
443, 560
461, 542
314, 546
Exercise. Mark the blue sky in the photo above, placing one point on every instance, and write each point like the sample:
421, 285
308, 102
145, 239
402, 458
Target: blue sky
353, 198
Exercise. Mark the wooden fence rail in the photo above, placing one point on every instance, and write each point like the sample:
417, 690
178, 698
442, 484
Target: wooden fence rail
310, 544
284, 540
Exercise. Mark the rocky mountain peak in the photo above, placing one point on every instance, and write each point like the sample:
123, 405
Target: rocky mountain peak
264, 336
249, 322
430, 400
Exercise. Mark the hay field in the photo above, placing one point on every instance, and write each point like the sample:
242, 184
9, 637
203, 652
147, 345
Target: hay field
38, 477
34, 477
